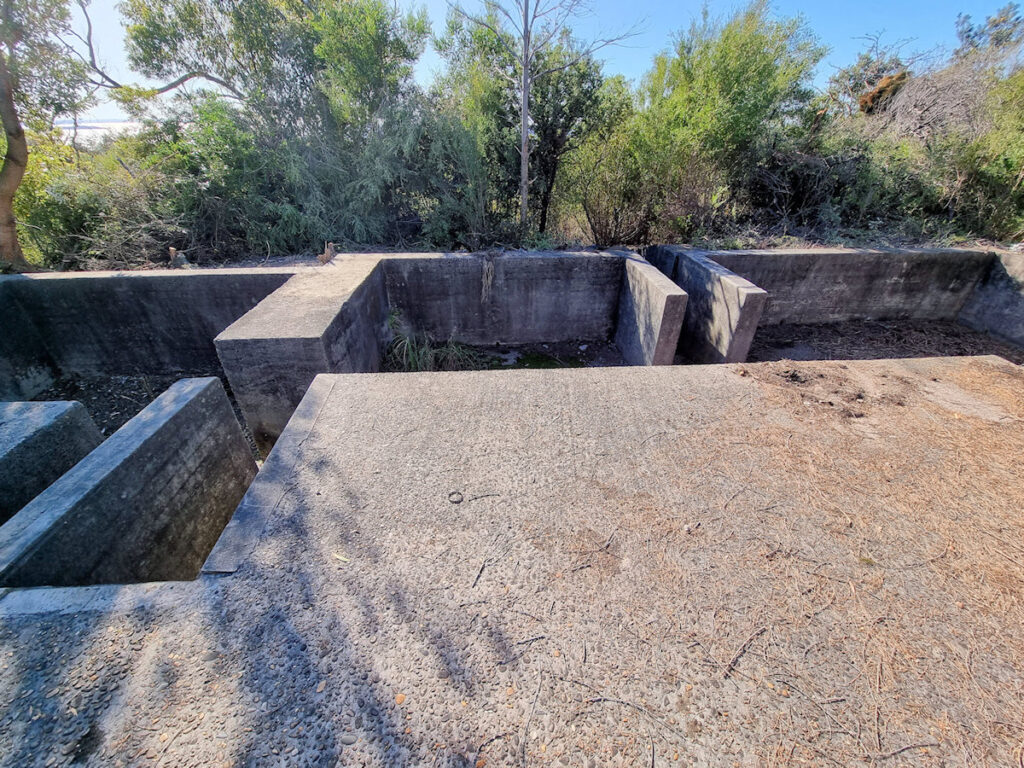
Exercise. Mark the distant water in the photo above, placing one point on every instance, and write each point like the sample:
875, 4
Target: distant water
95, 130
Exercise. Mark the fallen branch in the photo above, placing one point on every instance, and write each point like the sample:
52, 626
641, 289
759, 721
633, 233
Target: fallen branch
743, 649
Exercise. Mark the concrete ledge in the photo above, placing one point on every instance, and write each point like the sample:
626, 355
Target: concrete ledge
831, 285
39, 442
321, 321
997, 304
147, 505
723, 310
650, 316
260, 502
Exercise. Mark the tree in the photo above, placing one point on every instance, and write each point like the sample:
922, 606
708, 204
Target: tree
39, 80
565, 109
1002, 31
535, 26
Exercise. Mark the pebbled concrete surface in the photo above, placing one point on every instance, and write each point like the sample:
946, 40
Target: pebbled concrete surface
787, 563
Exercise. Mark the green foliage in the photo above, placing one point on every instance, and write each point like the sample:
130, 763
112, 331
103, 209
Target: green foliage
1003, 30
367, 52
730, 88
47, 80
309, 127
91, 210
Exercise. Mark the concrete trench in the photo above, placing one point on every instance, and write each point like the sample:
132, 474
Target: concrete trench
179, 478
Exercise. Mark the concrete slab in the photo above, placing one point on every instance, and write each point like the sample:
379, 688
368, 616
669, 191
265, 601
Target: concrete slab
650, 314
39, 442
724, 308
512, 298
26, 368
147, 505
710, 563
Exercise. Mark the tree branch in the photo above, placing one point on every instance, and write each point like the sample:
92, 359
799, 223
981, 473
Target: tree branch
106, 81
492, 28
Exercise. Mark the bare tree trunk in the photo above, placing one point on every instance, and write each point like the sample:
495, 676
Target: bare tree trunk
524, 148
11, 173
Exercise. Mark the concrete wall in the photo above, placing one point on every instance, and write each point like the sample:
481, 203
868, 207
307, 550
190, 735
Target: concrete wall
160, 321
39, 442
723, 309
25, 366
997, 305
650, 315
147, 505
831, 285
326, 320
508, 299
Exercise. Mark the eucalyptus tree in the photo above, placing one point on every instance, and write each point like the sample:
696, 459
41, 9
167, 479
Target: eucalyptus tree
527, 29
40, 79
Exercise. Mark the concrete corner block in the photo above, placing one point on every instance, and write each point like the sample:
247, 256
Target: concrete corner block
650, 317
330, 320
723, 311
146, 505
39, 442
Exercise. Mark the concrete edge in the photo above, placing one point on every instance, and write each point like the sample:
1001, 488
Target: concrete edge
27, 528
244, 530
103, 598
667, 326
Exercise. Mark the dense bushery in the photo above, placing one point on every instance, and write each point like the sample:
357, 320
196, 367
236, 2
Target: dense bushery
280, 125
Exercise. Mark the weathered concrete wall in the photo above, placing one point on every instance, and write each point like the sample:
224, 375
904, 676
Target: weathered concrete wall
39, 442
723, 309
330, 320
650, 316
147, 505
25, 366
997, 304
510, 299
832, 285
160, 321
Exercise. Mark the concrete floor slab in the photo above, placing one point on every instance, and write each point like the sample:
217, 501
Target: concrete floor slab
785, 563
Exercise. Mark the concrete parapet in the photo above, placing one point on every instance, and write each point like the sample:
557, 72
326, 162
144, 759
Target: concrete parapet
39, 442
650, 314
25, 366
997, 304
723, 310
516, 298
831, 285
329, 320
155, 321
146, 505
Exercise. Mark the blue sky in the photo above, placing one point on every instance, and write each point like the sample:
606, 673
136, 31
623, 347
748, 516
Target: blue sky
926, 23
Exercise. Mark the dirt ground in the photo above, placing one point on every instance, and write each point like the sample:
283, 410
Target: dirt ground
113, 400
873, 339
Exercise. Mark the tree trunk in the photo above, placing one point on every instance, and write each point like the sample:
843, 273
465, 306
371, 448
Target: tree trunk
545, 203
11, 173
524, 142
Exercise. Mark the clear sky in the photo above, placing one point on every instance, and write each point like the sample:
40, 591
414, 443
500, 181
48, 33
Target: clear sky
926, 23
